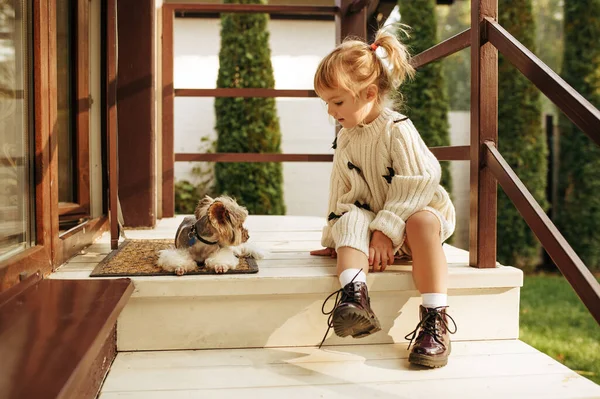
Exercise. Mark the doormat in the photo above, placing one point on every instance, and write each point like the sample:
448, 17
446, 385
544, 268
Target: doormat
139, 257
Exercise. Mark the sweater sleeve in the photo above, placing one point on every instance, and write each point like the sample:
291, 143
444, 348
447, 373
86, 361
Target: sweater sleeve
415, 178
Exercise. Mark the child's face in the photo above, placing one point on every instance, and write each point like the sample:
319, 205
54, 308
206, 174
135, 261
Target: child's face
348, 110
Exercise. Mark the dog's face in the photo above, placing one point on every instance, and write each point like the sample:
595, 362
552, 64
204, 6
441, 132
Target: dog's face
222, 218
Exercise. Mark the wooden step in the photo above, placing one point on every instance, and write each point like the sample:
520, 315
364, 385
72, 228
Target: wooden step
479, 369
281, 305
57, 337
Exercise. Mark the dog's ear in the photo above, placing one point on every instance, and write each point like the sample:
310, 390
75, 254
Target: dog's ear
203, 204
219, 213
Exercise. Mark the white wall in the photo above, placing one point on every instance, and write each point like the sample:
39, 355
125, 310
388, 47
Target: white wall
304, 123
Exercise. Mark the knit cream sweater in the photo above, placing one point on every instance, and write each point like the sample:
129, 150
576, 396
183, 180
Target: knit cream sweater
382, 174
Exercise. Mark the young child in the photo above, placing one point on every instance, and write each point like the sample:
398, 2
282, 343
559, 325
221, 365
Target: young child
385, 195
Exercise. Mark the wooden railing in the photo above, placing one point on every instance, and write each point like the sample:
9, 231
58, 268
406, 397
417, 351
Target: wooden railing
350, 17
486, 37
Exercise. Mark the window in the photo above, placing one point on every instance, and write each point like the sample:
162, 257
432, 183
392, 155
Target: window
16, 130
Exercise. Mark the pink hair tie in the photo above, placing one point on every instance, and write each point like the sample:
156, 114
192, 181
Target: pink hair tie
374, 46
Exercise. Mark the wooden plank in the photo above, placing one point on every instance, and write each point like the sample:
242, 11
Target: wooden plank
566, 385
89, 387
447, 47
246, 8
18, 289
244, 92
168, 96
565, 258
456, 153
484, 127
287, 372
303, 354
579, 110
111, 116
82, 111
53, 332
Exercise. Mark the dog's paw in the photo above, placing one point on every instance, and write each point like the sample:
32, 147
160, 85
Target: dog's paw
222, 262
249, 250
180, 270
221, 268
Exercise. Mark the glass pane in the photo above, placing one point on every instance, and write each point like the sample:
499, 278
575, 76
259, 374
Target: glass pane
16, 192
65, 87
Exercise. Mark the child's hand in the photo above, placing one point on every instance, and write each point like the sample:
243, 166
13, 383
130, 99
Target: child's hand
381, 252
325, 252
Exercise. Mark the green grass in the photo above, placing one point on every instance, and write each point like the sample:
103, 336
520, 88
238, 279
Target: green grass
555, 321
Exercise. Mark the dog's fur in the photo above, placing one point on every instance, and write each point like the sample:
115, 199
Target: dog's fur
219, 221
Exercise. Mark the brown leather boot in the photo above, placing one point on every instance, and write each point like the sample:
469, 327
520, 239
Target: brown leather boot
431, 338
352, 313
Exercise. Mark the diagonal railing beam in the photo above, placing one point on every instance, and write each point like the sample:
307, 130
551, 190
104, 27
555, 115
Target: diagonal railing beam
579, 110
443, 49
565, 258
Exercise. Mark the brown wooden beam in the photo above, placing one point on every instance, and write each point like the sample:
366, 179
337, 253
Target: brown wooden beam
111, 119
244, 92
443, 49
484, 127
135, 102
245, 8
579, 110
168, 109
565, 258
456, 153
351, 20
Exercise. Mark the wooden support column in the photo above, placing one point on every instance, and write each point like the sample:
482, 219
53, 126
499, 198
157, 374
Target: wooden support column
168, 98
111, 118
135, 104
484, 127
351, 20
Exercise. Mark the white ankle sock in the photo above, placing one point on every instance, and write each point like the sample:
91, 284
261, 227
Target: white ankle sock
347, 275
434, 300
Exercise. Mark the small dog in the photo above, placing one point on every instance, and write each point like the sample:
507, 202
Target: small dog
215, 236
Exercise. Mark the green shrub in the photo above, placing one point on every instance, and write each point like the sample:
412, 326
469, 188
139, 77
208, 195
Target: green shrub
425, 98
251, 124
578, 213
521, 140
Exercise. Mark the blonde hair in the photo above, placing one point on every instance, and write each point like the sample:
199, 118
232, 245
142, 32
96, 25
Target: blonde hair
354, 65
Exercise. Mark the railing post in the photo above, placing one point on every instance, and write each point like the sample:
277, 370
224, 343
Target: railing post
168, 98
484, 127
351, 20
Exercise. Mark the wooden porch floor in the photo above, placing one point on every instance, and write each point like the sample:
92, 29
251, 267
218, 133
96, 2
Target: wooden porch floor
490, 368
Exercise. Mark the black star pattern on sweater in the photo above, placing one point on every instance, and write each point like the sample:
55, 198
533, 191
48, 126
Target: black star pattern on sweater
363, 206
391, 174
352, 166
334, 216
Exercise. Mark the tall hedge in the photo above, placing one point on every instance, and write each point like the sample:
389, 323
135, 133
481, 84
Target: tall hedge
248, 124
521, 139
579, 171
425, 99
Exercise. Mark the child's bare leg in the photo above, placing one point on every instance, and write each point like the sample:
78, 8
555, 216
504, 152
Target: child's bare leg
350, 258
430, 269
431, 345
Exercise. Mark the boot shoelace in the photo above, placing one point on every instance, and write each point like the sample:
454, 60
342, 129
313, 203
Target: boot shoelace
429, 325
339, 297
